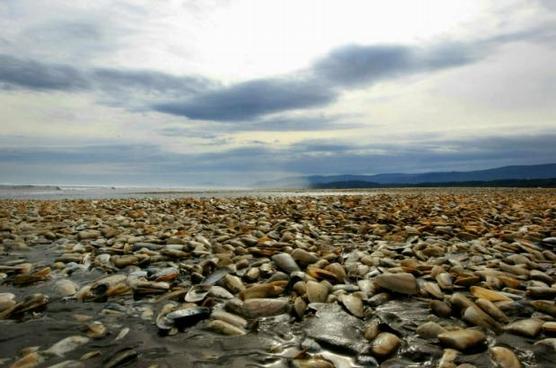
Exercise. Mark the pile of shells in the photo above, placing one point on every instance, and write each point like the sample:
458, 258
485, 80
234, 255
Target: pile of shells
446, 279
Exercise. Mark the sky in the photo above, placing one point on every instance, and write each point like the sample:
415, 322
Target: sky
234, 92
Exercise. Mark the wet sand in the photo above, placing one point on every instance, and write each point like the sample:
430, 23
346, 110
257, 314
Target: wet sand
403, 278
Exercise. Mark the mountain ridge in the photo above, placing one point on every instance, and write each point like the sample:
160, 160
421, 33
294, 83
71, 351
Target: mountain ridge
513, 172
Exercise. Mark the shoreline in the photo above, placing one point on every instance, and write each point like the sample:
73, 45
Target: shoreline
100, 193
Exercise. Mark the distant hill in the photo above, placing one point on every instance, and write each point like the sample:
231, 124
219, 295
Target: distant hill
510, 183
523, 172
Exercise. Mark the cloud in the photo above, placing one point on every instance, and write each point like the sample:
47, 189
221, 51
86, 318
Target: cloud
29, 74
33, 75
150, 82
544, 33
89, 154
248, 103
205, 99
298, 123
148, 164
467, 153
359, 65
349, 66
281, 123
72, 40
548, 4
250, 100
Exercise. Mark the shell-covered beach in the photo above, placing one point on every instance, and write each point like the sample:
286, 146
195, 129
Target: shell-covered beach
409, 278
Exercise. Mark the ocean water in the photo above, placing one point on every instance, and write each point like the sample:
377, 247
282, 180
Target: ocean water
49, 192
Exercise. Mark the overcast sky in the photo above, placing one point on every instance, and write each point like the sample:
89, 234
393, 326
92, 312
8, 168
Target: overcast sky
226, 92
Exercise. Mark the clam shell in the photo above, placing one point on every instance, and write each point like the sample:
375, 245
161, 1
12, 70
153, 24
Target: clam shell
166, 274
121, 358
264, 307
29, 360
65, 287
541, 292
299, 306
302, 257
66, 345
7, 300
353, 304
461, 301
338, 270
164, 324
545, 306
233, 283
316, 362
444, 280
476, 316
467, 280
187, 317
549, 328
219, 292
448, 358
300, 288
225, 328
230, 318
441, 309
492, 310
285, 262
432, 289
493, 296
430, 330
504, 357
549, 343
320, 274
385, 344
96, 329
253, 274
31, 303
371, 329
403, 283
216, 276
272, 289
197, 293
526, 327
316, 292
462, 339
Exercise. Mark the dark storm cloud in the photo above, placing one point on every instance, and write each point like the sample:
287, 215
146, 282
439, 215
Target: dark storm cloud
251, 99
199, 98
353, 65
149, 81
349, 66
145, 163
29, 74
